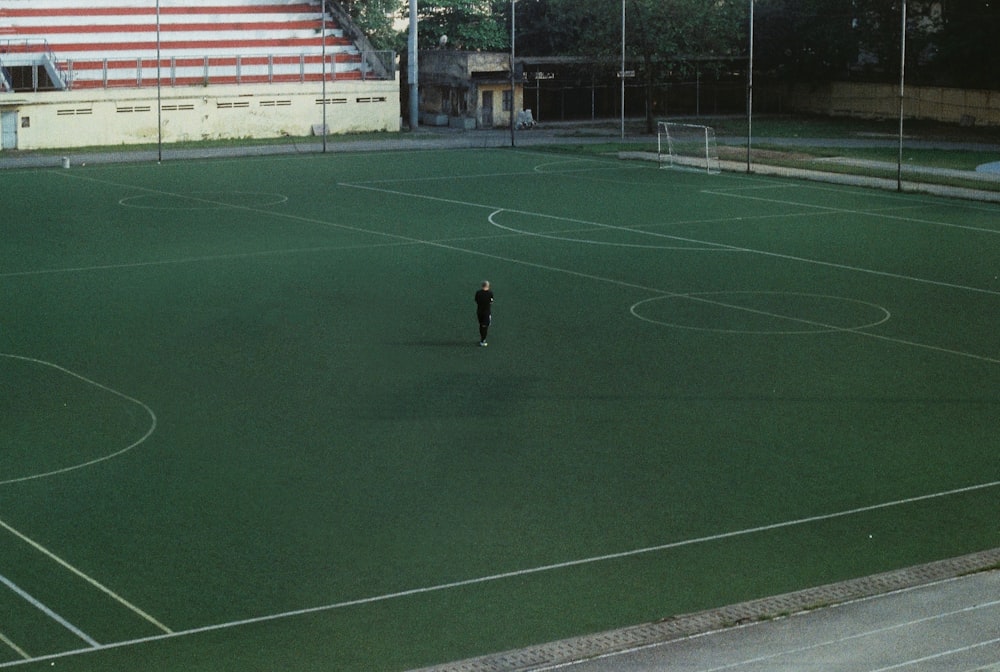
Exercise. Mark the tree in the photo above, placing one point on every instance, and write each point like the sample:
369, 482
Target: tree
565, 27
878, 25
375, 19
806, 40
665, 38
966, 48
472, 25
675, 38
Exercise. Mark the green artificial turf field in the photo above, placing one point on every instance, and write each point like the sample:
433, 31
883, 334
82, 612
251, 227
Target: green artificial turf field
246, 424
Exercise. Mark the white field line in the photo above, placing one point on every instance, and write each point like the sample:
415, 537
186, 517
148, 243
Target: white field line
14, 647
910, 197
199, 260
722, 246
695, 241
139, 441
545, 568
519, 573
847, 211
938, 656
439, 245
48, 612
93, 582
340, 248
862, 635
821, 326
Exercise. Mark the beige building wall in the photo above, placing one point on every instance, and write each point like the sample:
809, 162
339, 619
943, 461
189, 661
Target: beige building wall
881, 101
499, 116
452, 83
64, 119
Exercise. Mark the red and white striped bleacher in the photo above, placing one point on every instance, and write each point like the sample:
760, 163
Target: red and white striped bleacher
114, 42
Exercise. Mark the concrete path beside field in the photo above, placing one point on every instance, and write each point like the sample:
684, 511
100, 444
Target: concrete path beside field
950, 625
544, 134
942, 616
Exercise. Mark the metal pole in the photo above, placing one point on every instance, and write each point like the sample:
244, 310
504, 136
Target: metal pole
621, 74
322, 23
750, 90
159, 105
697, 91
902, 81
512, 90
412, 69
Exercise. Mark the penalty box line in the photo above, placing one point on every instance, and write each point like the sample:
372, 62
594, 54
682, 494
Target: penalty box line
517, 573
30, 599
90, 580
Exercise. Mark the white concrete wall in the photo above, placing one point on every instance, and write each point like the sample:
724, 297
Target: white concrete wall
105, 117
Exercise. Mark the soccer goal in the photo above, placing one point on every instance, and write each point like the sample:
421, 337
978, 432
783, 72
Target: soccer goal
687, 146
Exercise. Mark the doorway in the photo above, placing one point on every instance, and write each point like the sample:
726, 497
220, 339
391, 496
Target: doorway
8, 130
487, 109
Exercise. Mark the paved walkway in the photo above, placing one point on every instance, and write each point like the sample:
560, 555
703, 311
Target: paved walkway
561, 133
939, 616
950, 625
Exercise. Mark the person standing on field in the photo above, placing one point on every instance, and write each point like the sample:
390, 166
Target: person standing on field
484, 308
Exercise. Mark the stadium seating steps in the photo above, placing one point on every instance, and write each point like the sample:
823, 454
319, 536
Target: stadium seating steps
114, 43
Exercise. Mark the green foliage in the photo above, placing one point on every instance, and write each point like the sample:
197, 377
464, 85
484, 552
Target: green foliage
668, 33
677, 38
471, 25
966, 48
566, 27
810, 40
375, 19
794, 40
662, 39
804, 40
679, 33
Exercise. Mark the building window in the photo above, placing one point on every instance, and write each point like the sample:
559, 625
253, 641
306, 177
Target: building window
507, 98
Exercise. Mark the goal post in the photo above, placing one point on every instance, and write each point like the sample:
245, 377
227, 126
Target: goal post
687, 146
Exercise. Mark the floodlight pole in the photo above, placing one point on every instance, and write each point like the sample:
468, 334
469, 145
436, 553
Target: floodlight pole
902, 82
411, 69
750, 90
322, 36
513, 91
621, 74
159, 104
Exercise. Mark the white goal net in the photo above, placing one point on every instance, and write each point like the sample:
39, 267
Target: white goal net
687, 146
